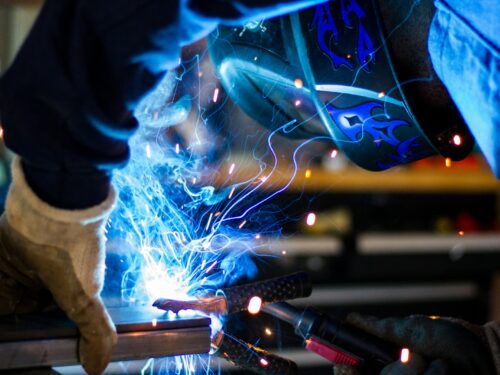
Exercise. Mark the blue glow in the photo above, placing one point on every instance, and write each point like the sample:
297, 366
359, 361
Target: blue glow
182, 234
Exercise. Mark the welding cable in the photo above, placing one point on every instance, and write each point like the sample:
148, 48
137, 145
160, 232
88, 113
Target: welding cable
255, 359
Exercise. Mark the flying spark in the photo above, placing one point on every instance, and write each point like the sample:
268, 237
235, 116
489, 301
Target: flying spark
231, 169
216, 95
405, 355
311, 219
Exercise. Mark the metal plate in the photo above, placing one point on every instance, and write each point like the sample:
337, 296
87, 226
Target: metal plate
51, 339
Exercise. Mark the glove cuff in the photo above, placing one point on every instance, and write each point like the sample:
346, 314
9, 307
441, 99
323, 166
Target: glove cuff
75, 235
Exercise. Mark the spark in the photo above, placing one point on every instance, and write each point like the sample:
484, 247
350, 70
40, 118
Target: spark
308, 173
264, 362
283, 252
457, 140
447, 162
200, 74
381, 94
154, 322
148, 151
334, 154
268, 332
242, 224
434, 317
461, 233
254, 305
257, 236
216, 95
297, 103
209, 221
217, 214
231, 169
211, 267
311, 219
231, 193
177, 148
298, 83
405, 355
263, 178
194, 180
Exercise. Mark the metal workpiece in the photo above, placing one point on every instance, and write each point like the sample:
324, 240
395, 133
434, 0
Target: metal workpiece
52, 340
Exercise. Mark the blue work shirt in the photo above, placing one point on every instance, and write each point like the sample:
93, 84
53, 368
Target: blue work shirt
464, 45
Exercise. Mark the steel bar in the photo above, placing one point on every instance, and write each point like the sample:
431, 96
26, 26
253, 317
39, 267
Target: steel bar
52, 340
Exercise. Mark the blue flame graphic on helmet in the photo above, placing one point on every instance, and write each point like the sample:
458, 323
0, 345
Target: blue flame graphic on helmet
369, 118
326, 25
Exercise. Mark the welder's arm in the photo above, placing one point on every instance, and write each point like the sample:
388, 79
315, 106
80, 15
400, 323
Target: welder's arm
438, 346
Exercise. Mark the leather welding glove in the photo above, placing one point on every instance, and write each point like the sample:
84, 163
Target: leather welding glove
438, 346
49, 252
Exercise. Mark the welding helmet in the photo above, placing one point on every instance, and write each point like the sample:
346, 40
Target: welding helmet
350, 71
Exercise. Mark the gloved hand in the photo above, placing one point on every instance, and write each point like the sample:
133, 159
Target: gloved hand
49, 252
437, 346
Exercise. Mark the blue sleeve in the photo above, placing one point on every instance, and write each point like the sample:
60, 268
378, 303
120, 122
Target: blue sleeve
464, 44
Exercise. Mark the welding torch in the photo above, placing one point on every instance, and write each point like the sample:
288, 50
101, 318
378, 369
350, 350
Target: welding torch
247, 297
337, 340
333, 339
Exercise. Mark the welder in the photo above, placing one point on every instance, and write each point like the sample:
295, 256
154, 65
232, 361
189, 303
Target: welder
66, 106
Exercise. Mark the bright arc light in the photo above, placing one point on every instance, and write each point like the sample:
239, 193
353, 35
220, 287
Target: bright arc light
264, 362
457, 140
311, 219
405, 355
254, 305
334, 154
